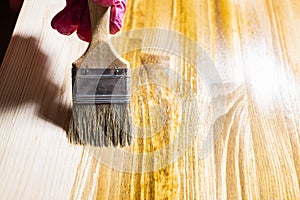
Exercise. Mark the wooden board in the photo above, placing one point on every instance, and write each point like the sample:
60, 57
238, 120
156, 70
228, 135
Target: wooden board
253, 44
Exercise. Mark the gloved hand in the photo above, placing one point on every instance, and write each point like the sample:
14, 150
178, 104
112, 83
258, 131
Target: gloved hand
76, 17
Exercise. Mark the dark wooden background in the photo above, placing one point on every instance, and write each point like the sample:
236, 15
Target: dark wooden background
8, 19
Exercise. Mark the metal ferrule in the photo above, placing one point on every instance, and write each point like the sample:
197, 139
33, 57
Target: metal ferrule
101, 86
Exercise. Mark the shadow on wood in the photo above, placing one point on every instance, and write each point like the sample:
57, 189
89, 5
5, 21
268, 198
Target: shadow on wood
26, 79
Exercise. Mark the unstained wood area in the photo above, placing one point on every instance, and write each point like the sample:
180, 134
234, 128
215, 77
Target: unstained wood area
254, 45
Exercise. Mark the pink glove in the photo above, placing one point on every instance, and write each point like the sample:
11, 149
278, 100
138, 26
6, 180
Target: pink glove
76, 16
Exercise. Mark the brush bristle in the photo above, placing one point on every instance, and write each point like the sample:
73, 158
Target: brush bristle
101, 125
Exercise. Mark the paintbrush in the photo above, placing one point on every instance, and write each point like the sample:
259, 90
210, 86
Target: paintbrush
100, 79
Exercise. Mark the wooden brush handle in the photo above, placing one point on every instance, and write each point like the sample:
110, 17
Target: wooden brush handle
104, 55
99, 23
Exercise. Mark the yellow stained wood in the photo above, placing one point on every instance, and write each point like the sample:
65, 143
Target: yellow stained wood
254, 45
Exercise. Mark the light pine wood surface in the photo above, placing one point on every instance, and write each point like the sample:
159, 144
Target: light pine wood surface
254, 45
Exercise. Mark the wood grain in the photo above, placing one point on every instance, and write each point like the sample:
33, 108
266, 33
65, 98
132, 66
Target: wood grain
253, 44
